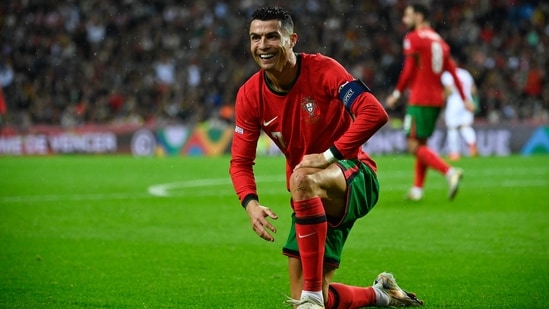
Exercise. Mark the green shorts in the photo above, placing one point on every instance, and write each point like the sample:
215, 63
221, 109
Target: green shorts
420, 121
362, 195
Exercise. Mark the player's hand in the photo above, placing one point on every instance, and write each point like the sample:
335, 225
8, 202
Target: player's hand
469, 106
258, 218
391, 101
316, 160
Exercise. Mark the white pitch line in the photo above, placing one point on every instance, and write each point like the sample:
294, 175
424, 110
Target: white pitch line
203, 187
164, 189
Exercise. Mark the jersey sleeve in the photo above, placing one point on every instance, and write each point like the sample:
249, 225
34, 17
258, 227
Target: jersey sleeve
368, 114
369, 117
447, 79
243, 149
410, 63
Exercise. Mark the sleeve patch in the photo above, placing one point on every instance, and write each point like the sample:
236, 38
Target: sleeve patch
349, 91
238, 130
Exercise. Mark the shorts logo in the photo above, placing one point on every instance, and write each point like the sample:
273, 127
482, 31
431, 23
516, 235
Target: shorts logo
305, 235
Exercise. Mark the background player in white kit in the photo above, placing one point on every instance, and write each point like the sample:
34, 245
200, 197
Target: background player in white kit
458, 119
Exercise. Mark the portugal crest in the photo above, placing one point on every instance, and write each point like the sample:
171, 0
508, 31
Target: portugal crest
309, 105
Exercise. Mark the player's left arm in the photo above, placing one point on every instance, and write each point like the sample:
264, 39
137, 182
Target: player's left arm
369, 117
448, 83
368, 113
411, 59
408, 72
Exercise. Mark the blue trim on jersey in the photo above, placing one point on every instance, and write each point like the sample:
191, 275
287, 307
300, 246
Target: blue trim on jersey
349, 91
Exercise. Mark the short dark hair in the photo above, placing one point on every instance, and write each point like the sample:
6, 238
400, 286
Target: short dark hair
275, 12
422, 9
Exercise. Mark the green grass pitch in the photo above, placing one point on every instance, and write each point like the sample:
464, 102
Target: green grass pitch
124, 232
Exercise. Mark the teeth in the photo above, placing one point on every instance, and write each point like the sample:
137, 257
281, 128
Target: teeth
266, 56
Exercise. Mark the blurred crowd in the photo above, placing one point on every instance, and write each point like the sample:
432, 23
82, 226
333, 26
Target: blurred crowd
71, 62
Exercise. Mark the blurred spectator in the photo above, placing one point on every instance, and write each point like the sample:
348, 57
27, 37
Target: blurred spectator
3, 108
93, 61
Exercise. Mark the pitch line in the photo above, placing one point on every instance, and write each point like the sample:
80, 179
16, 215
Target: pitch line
203, 187
164, 189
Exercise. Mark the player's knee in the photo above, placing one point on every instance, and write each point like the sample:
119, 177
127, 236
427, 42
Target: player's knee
302, 185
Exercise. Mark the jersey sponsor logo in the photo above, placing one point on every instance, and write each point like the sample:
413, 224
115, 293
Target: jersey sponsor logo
267, 123
309, 105
238, 130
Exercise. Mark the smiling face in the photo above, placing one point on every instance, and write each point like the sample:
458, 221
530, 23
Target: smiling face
271, 45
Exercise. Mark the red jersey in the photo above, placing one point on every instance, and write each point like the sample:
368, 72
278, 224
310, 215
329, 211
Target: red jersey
427, 56
308, 119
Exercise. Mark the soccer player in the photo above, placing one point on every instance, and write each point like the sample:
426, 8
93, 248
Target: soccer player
427, 56
319, 116
458, 119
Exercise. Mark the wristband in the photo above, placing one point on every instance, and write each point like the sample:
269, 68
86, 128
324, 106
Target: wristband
396, 93
249, 198
329, 156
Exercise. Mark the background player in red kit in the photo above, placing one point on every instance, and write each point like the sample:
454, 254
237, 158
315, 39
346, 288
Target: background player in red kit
319, 116
427, 56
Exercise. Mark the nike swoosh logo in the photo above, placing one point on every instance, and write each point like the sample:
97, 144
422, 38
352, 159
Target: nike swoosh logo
306, 235
267, 123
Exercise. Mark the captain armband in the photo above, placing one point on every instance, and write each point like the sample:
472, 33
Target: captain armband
349, 91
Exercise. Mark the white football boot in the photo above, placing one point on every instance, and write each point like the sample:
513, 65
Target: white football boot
397, 297
415, 194
305, 303
453, 177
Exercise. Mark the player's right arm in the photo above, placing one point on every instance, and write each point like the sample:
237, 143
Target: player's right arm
408, 71
450, 66
258, 218
448, 83
243, 149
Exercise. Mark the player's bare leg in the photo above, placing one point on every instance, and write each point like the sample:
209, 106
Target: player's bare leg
316, 193
470, 138
295, 273
452, 141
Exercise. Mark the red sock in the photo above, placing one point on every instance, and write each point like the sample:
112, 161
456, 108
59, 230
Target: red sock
341, 296
311, 228
421, 172
431, 159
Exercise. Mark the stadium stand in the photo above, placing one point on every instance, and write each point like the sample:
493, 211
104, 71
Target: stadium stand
93, 61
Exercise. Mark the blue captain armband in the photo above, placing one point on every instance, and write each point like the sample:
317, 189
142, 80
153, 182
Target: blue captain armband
349, 91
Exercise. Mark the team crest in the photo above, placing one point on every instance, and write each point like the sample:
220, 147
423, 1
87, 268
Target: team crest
309, 105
